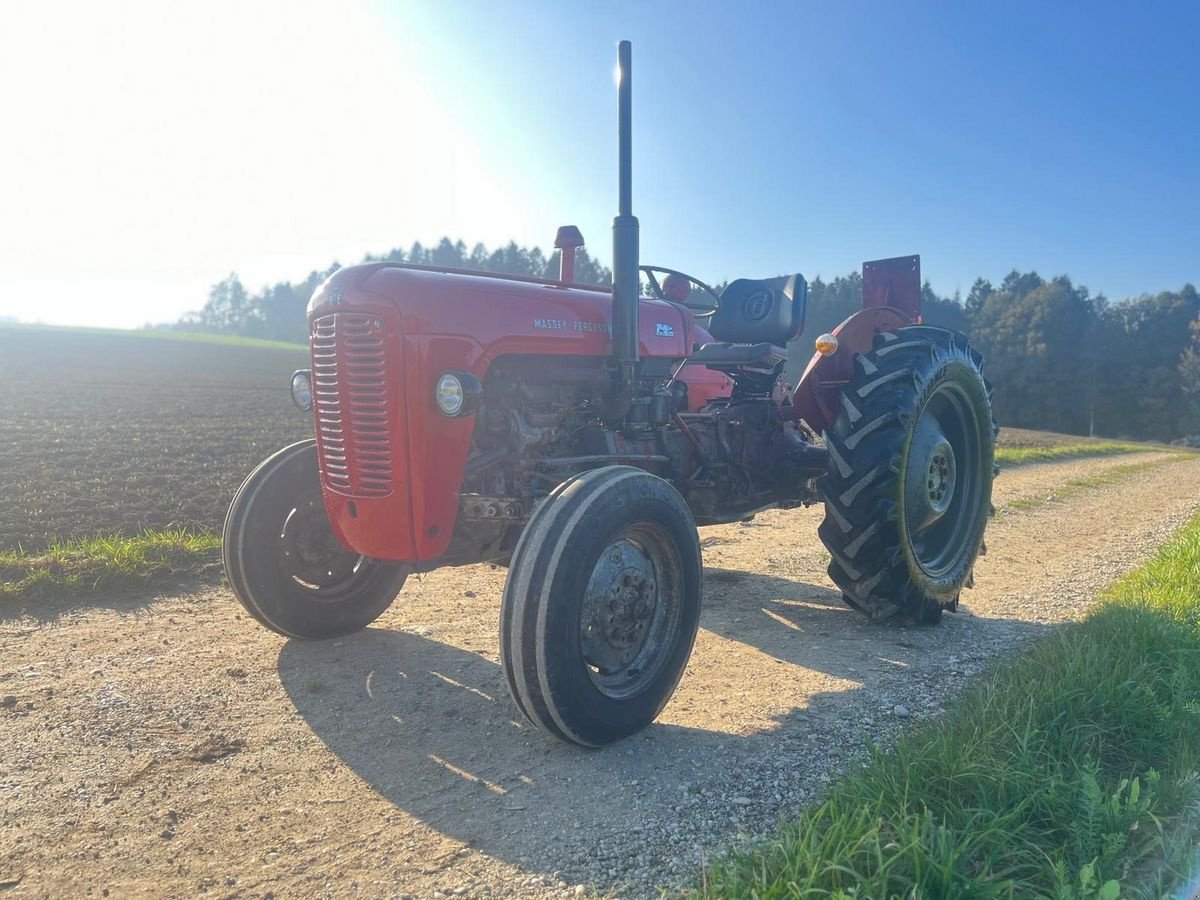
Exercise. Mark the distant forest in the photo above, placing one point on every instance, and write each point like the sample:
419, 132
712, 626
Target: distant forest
1060, 358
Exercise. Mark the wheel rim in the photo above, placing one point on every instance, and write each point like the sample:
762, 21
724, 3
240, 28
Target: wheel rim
311, 556
943, 485
631, 611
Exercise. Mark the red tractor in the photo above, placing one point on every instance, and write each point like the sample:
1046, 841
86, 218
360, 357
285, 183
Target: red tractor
579, 435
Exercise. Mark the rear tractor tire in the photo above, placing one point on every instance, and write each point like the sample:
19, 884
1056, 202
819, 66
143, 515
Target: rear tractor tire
909, 487
601, 605
284, 563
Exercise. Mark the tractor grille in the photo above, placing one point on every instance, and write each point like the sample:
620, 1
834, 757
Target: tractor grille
350, 397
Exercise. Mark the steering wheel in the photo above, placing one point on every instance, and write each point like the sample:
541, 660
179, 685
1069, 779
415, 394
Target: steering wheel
699, 310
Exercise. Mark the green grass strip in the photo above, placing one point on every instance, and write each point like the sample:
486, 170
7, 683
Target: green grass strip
1019, 456
104, 563
1070, 771
1078, 485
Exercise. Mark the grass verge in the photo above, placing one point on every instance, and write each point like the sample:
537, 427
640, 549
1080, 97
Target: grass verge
1072, 772
1019, 456
104, 563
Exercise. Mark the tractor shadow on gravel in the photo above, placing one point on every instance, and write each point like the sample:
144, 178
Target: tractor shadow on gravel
430, 727
41, 610
809, 625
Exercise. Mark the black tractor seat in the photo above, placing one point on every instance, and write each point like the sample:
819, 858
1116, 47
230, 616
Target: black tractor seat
723, 354
754, 320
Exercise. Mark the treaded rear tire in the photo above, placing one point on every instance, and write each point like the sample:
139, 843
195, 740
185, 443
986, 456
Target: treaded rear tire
877, 560
544, 630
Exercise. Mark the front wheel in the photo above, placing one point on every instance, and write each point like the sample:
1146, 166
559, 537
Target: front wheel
909, 487
284, 563
601, 605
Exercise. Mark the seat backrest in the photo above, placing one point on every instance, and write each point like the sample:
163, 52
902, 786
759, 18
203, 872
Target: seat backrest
755, 310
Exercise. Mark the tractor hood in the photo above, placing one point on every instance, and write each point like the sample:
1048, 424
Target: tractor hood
505, 314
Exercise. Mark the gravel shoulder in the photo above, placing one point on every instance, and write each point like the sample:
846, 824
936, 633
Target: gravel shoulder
169, 745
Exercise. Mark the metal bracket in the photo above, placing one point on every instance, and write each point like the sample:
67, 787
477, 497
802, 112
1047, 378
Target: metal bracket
480, 508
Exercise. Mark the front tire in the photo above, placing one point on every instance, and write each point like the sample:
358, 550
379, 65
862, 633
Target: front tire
285, 565
909, 486
601, 605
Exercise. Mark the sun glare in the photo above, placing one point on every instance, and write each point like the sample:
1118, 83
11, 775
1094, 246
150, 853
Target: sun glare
162, 146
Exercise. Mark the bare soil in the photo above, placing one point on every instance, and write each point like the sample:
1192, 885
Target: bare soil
108, 432
171, 746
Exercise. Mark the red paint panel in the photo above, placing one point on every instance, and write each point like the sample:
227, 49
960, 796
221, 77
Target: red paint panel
438, 445
508, 316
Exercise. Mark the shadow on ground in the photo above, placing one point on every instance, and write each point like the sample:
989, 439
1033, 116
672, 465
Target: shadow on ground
51, 608
431, 728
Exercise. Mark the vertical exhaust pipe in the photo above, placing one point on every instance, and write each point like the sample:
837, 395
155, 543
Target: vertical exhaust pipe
626, 283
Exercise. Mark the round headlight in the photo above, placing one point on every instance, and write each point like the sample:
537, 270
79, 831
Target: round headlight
302, 389
450, 394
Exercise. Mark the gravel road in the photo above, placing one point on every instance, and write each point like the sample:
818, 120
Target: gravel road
170, 746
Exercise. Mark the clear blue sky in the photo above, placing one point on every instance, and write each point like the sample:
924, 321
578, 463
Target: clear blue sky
776, 136
165, 146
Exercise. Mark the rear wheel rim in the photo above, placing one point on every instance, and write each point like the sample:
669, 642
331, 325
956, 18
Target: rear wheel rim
943, 482
632, 611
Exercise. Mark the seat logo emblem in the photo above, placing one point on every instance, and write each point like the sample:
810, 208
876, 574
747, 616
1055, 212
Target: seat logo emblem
758, 305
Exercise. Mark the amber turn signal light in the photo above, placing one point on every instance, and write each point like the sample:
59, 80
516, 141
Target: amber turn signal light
826, 344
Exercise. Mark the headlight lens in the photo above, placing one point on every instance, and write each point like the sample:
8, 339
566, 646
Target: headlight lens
302, 389
450, 394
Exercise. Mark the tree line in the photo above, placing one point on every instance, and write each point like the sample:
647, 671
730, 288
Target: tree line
277, 311
1060, 358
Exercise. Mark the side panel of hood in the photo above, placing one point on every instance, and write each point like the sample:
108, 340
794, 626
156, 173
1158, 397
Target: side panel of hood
510, 316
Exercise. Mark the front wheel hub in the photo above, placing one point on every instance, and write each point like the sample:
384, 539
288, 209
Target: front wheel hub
309, 553
625, 621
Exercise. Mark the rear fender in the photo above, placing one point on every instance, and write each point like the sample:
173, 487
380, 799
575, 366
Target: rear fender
819, 392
